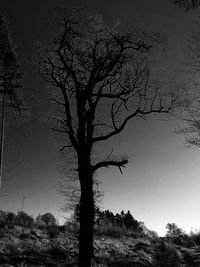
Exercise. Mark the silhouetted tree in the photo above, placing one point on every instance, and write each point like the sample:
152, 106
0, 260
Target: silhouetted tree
118, 220
130, 222
173, 230
102, 77
10, 77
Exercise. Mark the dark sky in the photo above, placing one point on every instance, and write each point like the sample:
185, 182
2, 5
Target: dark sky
155, 184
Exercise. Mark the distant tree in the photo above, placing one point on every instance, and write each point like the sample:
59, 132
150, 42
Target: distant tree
130, 222
122, 214
10, 78
48, 219
187, 4
173, 230
118, 219
101, 77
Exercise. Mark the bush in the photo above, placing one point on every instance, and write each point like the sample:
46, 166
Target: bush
10, 219
53, 231
39, 223
48, 219
166, 255
32, 247
2, 219
12, 246
70, 227
111, 231
24, 220
195, 238
58, 253
62, 228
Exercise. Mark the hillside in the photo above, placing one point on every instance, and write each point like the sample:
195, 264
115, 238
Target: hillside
30, 243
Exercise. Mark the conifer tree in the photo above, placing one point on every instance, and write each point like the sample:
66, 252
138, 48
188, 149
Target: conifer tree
10, 77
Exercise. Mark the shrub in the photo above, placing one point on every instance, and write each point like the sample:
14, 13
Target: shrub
111, 231
12, 246
166, 255
53, 231
10, 219
24, 220
48, 219
62, 228
32, 247
39, 223
58, 253
195, 238
70, 227
189, 257
2, 219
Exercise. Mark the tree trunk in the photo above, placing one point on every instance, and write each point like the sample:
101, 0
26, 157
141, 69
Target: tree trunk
2, 137
86, 215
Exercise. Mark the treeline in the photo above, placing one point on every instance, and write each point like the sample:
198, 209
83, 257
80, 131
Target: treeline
109, 219
10, 219
103, 219
124, 220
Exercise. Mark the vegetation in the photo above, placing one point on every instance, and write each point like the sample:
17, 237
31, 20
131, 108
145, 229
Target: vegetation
25, 242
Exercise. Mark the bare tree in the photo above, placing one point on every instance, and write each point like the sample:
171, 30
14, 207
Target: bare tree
102, 77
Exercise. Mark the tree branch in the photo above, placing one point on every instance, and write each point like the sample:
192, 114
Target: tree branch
108, 163
127, 119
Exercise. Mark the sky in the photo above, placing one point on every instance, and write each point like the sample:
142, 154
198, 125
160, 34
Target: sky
161, 183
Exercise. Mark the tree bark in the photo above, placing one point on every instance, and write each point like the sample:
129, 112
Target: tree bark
86, 214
